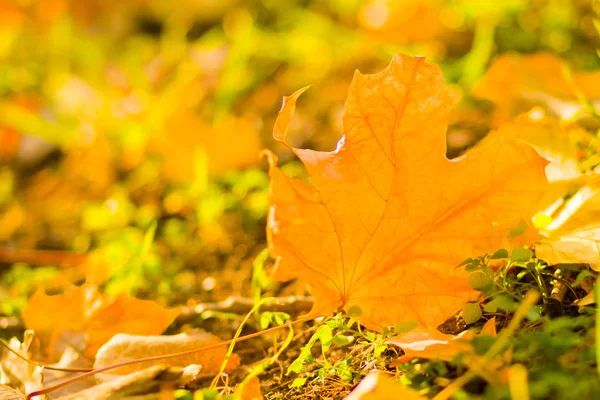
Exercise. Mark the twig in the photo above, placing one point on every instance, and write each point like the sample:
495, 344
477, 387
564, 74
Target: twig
63, 259
66, 382
243, 305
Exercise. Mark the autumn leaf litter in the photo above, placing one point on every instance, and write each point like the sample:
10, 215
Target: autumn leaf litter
378, 238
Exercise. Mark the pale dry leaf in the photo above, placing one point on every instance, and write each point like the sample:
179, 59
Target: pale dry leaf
388, 217
575, 213
152, 380
123, 347
589, 299
432, 344
70, 358
377, 386
578, 247
552, 140
17, 372
8, 393
533, 78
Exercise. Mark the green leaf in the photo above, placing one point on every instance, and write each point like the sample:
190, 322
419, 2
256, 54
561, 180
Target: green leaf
519, 229
298, 382
521, 254
354, 312
502, 253
479, 280
471, 313
405, 327
342, 340
500, 302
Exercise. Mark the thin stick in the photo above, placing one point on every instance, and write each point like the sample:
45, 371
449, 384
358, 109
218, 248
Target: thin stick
163, 357
39, 364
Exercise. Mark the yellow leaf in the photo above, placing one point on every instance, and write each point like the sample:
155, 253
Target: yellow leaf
126, 314
388, 217
18, 372
123, 347
251, 390
376, 386
82, 309
581, 246
553, 141
49, 316
231, 143
513, 79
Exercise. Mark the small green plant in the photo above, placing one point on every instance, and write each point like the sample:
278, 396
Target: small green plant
335, 333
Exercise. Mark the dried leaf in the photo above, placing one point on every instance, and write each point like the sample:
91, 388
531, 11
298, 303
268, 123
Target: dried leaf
541, 77
126, 314
17, 372
388, 216
186, 137
123, 347
582, 246
155, 379
8, 393
588, 299
251, 390
49, 316
553, 141
432, 344
377, 386
82, 309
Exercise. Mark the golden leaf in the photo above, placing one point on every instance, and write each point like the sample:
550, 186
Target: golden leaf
377, 386
82, 309
186, 139
514, 79
388, 217
581, 246
126, 314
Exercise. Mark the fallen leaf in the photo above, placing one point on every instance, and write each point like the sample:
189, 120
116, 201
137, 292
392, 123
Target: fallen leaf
251, 390
123, 347
534, 78
388, 217
17, 372
552, 140
8, 393
432, 344
575, 213
82, 309
377, 386
579, 247
49, 316
186, 139
156, 379
588, 299
126, 314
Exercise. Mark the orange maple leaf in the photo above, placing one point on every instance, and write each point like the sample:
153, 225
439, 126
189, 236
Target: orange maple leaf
82, 309
388, 217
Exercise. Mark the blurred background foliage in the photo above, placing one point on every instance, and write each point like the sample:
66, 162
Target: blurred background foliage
130, 130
